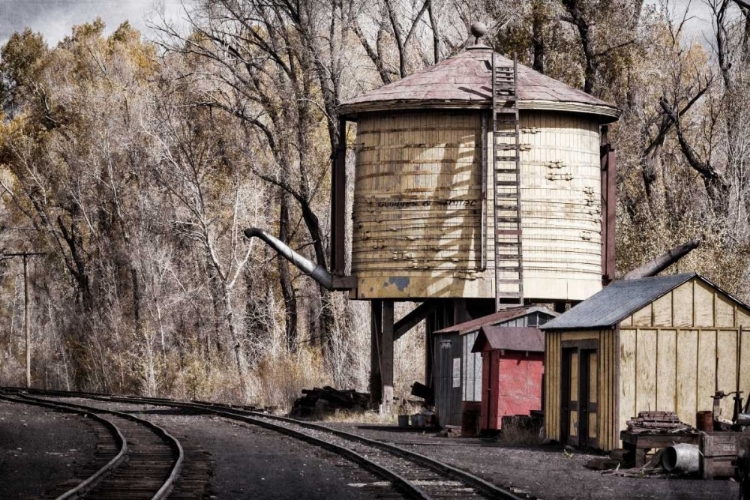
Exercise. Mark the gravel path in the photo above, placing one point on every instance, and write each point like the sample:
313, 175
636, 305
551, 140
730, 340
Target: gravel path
544, 471
40, 448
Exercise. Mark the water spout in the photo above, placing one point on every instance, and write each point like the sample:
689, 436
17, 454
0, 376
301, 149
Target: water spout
315, 271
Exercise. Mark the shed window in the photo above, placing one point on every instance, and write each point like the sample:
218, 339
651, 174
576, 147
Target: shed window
472, 369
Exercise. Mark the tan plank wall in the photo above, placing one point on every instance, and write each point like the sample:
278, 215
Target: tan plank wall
417, 206
673, 350
607, 433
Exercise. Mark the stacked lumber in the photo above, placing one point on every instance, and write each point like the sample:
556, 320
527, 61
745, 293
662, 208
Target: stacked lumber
657, 422
319, 401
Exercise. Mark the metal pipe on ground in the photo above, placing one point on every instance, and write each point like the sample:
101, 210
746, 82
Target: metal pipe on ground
681, 458
657, 265
315, 271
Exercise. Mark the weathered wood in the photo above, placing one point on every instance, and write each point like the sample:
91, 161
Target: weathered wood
645, 395
418, 222
666, 370
706, 373
414, 317
683, 305
687, 355
718, 451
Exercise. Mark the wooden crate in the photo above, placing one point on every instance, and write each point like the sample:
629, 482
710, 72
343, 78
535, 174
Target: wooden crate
718, 450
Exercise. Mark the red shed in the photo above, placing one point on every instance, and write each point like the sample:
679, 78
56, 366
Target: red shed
512, 371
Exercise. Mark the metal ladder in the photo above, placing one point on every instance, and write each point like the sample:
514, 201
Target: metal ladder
506, 165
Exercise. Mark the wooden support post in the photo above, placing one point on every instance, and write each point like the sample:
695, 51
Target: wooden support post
386, 357
376, 326
609, 207
27, 327
26, 307
338, 204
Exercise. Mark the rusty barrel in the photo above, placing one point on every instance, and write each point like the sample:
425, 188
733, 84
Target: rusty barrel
704, 421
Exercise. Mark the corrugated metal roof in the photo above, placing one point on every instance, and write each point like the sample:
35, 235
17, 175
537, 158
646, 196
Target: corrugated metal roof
492, 319
616, 302
509, 338
464, 81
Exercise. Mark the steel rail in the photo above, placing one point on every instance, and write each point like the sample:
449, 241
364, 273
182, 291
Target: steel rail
485, 487
167, 486
229, 411
94, 479
480, 484
411, 490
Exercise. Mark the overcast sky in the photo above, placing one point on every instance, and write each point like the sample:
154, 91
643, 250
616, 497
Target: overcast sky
55, 18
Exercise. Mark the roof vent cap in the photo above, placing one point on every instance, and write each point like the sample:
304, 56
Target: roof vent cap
478, 30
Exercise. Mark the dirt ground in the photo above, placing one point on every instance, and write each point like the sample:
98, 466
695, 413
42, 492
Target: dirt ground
40, 448
545, 472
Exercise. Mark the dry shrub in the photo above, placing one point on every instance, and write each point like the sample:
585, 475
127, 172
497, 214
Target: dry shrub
279, 379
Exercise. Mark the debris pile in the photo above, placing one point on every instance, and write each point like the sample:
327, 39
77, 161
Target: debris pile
319, 401
657, 421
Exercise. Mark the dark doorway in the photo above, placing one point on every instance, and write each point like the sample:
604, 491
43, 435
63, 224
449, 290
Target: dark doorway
579, 393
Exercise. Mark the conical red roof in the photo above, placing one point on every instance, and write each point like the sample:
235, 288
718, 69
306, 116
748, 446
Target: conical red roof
465, 82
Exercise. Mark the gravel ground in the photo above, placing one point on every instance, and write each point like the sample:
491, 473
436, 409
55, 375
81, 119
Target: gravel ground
40, 448
252, 462
544, 471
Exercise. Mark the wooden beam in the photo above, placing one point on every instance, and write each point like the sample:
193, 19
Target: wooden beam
402, 326
386, 357
338, 204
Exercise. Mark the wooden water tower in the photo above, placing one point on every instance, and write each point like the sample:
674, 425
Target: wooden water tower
479, 184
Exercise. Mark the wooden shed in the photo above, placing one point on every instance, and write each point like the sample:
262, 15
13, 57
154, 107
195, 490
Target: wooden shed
457, 371
662, 343
512, 372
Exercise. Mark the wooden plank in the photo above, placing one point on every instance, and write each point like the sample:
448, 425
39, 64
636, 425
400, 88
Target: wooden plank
726, 353
584, 335
643, 317
645, 396
666, 395
627, 322
683, 305
745, 363
662, 311
742, 317
703, 304
627, 374
706, 373
724, 311
686, 378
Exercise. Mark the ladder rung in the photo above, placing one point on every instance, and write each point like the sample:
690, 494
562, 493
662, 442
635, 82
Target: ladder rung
504, 134
509, 295
508, 232
506, 195
507, 147
508, 256
506, 170
508, 219
507, 157
509, 282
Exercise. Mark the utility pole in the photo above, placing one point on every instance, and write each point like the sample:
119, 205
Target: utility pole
26, 322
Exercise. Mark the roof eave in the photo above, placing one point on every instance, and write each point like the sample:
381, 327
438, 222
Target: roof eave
603, 113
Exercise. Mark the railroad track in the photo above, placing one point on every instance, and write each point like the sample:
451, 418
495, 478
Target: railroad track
413, 474
146, 463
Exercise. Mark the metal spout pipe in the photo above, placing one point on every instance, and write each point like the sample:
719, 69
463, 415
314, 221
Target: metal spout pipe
654, 267
315, 271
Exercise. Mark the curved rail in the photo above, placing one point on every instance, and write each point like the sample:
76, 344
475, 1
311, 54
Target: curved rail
252, 416
166, 488
94, 479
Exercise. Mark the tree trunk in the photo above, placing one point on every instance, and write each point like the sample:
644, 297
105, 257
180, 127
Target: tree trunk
285, 278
